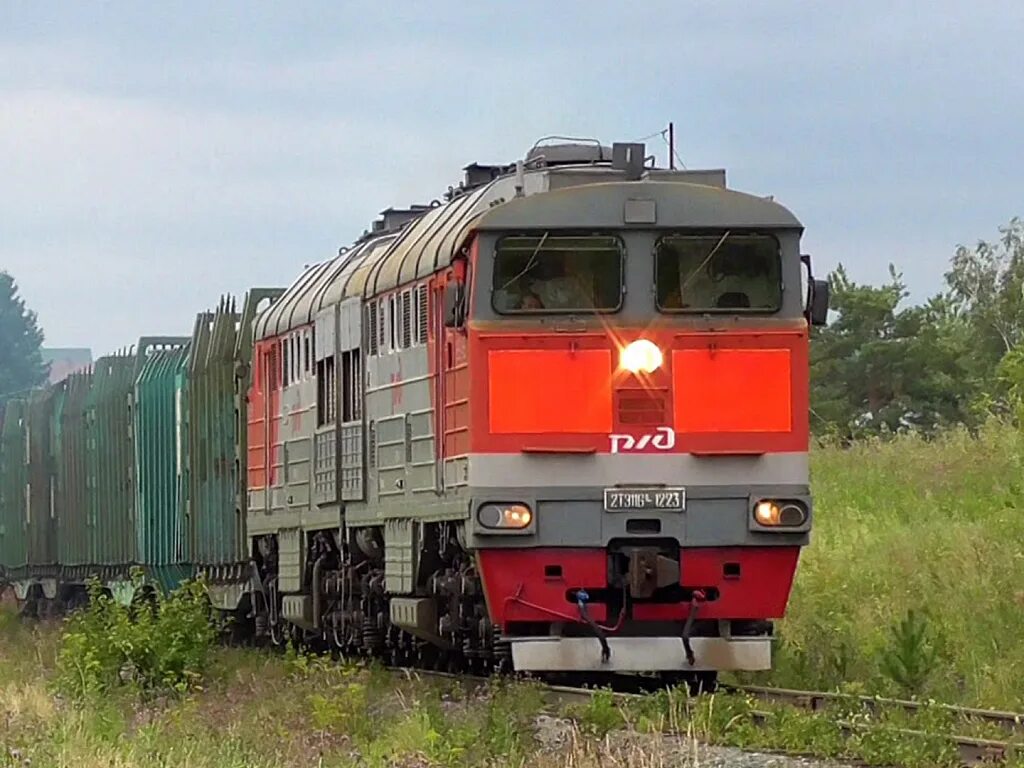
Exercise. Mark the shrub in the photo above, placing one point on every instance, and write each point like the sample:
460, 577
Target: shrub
159, 644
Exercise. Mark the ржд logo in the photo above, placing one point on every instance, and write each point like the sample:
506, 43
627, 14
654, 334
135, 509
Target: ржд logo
663, 438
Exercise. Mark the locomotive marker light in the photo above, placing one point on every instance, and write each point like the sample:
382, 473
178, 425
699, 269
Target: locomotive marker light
505, 516
641, 356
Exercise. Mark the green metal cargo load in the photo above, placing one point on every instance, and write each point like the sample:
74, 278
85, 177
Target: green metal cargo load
218, 534
13, 481
138, 461
40, 510
161, 527
28, 509
109, 466
218, 384
74, 540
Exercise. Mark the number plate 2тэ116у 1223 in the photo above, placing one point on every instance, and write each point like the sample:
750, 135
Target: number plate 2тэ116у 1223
644, 499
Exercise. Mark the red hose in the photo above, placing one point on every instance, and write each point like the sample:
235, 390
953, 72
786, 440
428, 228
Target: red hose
516, 598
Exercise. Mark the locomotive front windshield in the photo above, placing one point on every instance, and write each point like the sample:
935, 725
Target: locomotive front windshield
557, 273
718, 273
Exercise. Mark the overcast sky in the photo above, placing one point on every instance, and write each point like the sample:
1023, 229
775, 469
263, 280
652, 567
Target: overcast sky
155, 155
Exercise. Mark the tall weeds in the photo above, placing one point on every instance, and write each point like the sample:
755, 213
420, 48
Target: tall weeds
914, 579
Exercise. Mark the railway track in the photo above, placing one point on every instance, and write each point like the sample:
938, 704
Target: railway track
972, 750
817, 700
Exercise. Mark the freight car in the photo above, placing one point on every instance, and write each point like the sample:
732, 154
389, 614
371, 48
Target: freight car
554, 422
132, 463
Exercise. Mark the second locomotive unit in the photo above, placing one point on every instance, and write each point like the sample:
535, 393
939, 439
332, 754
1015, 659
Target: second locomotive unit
557, 422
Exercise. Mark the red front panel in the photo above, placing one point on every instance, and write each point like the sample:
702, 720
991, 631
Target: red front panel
732, 390
741, 392
723, 392
760, 591
542, 391
508, 573
519, 584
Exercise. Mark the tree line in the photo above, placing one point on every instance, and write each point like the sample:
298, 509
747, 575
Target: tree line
880, 365
21, 340
883, 366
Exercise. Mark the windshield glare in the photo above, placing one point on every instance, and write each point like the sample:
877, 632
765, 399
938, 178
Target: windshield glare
715, 273
556, 273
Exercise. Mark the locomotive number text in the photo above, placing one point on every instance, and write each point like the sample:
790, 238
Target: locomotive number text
633, 499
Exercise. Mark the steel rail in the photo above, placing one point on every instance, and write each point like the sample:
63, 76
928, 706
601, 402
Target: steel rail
972, 750
821, 700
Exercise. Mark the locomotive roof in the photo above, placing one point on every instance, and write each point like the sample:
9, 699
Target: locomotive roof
583, 195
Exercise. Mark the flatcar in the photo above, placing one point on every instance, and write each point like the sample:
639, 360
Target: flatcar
132, 465
554, 422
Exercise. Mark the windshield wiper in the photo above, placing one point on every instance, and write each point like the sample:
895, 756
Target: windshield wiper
529, 264
703, 264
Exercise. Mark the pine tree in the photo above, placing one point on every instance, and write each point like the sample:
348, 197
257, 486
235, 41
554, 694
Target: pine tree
879, 367
21, 360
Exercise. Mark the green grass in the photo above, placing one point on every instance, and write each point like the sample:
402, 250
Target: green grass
260, 710
254, 709
933, 531
913, 585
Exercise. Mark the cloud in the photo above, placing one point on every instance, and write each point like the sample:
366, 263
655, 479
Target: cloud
123, 158
121, 214
156, 156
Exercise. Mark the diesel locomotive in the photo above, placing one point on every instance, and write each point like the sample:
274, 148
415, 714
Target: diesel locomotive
556, 421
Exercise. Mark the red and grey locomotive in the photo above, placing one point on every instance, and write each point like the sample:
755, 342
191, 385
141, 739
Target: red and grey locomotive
556, 422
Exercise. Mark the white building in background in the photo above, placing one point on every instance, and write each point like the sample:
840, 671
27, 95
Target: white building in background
63, 361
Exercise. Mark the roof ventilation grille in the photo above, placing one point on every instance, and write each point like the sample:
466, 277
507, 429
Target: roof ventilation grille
571, 152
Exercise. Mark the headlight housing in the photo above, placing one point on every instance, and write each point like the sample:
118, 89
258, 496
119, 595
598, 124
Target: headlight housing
641, 356
786, 514
505, 516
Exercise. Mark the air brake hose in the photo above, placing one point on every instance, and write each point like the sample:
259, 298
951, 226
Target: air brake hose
581, 601
695, 601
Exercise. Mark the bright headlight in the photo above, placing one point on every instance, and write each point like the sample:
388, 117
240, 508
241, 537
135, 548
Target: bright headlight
767, 513
785, 514
514, 516
641, 356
